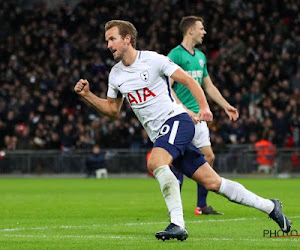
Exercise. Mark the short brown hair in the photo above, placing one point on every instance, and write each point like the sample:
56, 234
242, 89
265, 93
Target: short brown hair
188, 22
125, 28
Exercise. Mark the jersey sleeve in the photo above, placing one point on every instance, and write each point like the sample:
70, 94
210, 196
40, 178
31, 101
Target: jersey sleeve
167, 66
113, 91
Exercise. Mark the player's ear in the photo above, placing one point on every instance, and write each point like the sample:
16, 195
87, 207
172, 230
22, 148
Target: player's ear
127, 39
191, 30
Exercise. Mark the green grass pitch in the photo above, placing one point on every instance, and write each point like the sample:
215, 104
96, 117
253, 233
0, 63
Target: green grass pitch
42, 213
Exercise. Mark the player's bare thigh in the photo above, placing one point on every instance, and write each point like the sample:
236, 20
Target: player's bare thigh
159, 157
208, 177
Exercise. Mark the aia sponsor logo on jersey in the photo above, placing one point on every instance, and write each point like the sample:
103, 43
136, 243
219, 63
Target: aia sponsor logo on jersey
140, 96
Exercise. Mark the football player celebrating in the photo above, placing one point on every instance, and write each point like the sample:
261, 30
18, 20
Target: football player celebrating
141, 78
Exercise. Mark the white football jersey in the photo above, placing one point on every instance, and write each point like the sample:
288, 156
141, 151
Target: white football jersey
146, 87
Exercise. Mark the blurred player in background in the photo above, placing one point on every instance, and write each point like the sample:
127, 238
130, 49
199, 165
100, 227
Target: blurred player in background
142, 78
193, 61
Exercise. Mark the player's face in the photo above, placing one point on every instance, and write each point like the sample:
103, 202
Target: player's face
115, 43
198, 32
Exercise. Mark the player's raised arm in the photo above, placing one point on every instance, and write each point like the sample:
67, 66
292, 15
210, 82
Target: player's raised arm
181, 76
109, 107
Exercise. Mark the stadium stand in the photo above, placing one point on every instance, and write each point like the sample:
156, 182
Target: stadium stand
252, 48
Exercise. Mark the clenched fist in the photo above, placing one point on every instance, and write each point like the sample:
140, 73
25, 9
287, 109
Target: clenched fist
82, 87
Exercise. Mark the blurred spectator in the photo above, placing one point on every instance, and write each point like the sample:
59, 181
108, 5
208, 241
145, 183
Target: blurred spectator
3, 132
295, 80
218, 143
24, 140
252, 53
267, 126
10, 142
265, 155
95, 161
53, 141
295, 128
67, 137
281, 126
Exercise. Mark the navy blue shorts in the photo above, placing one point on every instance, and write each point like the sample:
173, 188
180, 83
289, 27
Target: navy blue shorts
175, 136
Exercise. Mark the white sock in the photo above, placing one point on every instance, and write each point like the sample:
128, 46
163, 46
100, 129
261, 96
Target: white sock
236, 192
170, 189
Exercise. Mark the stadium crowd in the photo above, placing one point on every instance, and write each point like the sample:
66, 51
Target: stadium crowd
252, 49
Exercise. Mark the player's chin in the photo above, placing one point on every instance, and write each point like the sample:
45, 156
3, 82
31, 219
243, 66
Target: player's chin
117, 57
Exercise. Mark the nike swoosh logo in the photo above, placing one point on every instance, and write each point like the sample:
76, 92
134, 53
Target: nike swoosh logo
121, 84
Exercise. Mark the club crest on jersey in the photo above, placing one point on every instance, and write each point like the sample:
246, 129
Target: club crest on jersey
201, 62
145, 76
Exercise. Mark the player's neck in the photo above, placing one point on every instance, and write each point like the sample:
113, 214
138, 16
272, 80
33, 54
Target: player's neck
129, 57
188, 45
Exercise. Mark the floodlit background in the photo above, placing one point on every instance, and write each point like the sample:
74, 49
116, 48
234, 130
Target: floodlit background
253, 55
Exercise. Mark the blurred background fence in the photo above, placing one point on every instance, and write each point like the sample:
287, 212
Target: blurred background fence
239, 159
